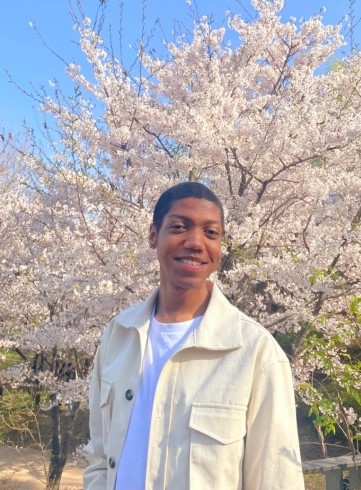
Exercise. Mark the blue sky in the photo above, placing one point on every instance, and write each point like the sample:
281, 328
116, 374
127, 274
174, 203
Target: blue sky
28, 61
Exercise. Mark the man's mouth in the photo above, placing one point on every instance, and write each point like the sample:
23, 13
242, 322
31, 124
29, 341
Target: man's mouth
190, 261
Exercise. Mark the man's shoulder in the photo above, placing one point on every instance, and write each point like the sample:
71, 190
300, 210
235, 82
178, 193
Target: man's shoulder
247, 323
254, 326
120, 326
256, 336
127, 313
134, 315
255, 332
234, 322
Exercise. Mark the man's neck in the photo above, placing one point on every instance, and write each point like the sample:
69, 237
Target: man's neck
183, 304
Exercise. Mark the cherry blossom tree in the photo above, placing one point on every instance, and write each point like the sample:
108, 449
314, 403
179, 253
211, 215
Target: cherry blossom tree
249, 109
58, 289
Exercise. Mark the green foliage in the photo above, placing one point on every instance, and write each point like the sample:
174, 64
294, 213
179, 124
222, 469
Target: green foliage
8, 359
317, 162
24, 422
355, 308
321, 275
334, 362
17, 414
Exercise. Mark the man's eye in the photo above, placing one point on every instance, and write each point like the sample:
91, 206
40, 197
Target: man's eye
212, 233
177, 227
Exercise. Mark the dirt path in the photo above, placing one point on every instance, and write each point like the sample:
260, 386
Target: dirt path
24, 470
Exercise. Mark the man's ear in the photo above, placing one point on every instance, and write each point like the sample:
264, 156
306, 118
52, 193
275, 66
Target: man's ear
152, 239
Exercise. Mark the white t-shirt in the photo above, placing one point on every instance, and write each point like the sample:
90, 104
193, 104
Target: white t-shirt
164, 339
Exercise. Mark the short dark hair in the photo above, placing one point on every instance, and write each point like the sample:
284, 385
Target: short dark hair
183, 190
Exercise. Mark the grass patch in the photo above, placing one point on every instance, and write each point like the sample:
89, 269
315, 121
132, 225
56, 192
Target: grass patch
315, 481
8, 358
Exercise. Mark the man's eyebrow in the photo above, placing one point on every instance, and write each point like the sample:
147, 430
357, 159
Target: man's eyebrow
186, 218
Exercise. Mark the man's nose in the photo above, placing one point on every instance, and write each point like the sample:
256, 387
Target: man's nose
194, 239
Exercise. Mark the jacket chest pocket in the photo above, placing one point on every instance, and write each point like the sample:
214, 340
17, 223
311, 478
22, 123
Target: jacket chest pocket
106, 405
217, 446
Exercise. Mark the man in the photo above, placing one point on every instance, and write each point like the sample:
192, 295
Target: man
187, 392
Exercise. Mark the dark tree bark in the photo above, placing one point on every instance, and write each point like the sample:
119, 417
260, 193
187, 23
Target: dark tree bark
62, 427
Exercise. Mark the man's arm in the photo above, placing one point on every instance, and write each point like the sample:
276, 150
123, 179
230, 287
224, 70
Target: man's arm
272, 458
95, 475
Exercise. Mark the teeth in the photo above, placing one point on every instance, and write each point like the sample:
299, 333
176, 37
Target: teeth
190, 262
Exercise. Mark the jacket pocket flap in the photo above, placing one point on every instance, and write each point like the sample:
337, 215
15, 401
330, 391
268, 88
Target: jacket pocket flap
224, 423
105, 390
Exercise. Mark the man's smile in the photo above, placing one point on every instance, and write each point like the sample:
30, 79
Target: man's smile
189, 261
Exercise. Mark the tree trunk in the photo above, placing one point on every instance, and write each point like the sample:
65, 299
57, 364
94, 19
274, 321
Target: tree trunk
62, 427
322, 441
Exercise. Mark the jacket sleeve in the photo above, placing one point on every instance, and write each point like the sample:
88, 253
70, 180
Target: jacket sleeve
272, 457
95, 475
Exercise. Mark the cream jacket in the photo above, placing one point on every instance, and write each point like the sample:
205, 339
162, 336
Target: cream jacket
223, 413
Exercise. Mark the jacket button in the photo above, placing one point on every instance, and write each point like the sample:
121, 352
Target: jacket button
111, 462
129, 394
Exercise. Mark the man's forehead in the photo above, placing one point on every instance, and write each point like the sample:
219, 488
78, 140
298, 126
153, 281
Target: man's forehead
192, 206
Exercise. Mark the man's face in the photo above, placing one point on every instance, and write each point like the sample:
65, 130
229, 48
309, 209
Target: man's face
188, 243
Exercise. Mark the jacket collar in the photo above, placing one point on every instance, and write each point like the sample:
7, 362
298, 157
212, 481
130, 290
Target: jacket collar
220, 328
